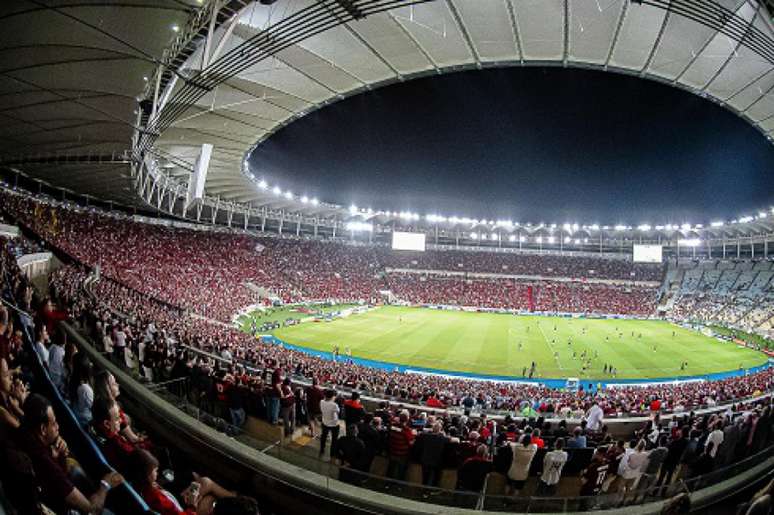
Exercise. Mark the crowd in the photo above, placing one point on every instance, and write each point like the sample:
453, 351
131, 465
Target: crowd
41, 473
215, 274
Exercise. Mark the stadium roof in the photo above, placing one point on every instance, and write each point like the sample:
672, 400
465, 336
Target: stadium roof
72, 75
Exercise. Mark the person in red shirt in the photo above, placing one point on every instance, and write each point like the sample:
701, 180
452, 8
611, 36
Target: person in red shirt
537, 440
199, 497
107, 424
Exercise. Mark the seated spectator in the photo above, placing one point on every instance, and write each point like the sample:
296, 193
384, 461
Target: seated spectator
41, 344
12, 396
106, 387
82, 393
106, 422
198, 498
39, 438
56, 371
578, 439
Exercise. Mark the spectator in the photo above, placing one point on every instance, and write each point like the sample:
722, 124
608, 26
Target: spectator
314, 394
288, 408
553, 463
522, 455
39, 438
56, 353
41, 344
594, 417
578, 439
675, 452
330, 421
199, 497
81, 388
351, 451
106, 422
593, 477
474, 470
432, 446
353, 410
401, 438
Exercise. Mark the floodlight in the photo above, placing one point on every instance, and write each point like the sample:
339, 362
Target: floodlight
585, 240
353, 209
567, 227
594, 227
289, 195
716, 224
551, 239
474, 236
620, 227
659, 227
686, 227
577, 241
522, 239
175, 27
567, 239
745, 219
494, 236
692, 242
315, 201
762, 215
262, 184
276, 190
643, 227
575, 227
304, 199
511, 238
539, 239
359, 226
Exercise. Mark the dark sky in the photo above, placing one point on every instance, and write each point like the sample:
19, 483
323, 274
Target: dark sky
529, 144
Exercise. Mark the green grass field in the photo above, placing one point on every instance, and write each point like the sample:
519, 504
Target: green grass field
484, 343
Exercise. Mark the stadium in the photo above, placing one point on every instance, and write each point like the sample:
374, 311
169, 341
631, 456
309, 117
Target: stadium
216, 299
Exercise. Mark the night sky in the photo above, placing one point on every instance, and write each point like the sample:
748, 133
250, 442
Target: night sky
531, 145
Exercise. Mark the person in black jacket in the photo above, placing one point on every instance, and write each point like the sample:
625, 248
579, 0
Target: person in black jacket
351, 450
675, 451
432, 446
472, 474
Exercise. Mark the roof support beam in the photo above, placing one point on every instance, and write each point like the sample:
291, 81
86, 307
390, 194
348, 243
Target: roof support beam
416, 43
656, 43
621, 20
731, 54
464, 30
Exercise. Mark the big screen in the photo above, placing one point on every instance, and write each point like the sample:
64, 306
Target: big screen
647, 254
408, 241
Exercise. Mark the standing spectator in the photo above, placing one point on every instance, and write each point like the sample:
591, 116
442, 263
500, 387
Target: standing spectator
553, 464
288, 408
314, 394
593, 477
522, 455
655, 460
330, 421
351, 451
635, 465
275, 394
56, 364
400, 440
472, 474
675, 451
41, 344
353, 411
236, 403
594, 417
432, 446
715, 438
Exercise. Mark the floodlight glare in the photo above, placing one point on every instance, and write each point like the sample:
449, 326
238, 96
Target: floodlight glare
359, 226
511, 238
551, 239
352, 209
594, 227
717, 224
315, 201
686, 227
567, 239
304, 199
692, 242
620, 227
643, 227
522, 239
577, 241
276, 190
539, 239
474, 236
262, 184
289, 195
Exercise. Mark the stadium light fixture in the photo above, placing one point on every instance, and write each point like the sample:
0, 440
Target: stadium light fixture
762, 214
620, 227
304, 199
175, 27
594, 227
691, 242
539, 239
643, 227
575, 227
474, 236
512, 238
745, 219
567, 227
276, 190
567, 239
577, 241
262, 184
717, 224
289, 195
315, 201
551, 239
353, 209
686, 227
585, 240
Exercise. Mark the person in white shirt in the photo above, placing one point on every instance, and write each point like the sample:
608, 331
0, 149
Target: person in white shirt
716, 438
594, 417
330, 421
41, 344
553, 464
523, 453
56, 365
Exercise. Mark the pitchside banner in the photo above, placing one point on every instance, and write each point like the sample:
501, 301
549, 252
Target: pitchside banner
647, 254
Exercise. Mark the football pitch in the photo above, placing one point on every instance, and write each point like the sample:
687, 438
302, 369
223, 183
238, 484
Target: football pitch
503, 345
